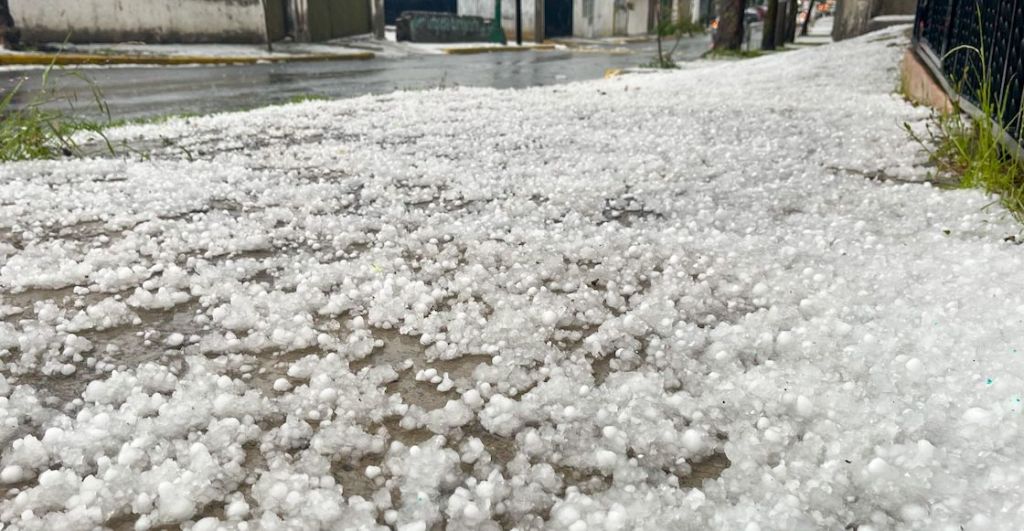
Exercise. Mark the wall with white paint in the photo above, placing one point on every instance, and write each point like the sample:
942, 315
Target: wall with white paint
607, 18
592, 18
485, 9
140, 20
639, 12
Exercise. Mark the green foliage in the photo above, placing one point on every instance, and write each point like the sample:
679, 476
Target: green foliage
733, 54
664, 61
39, 129
300, 98
668, 28
972, 149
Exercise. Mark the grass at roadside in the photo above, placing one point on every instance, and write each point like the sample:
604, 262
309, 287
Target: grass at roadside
736, 54
40, 130
974, 149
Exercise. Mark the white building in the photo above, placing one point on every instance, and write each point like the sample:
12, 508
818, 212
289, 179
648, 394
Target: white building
156, 21
584, 18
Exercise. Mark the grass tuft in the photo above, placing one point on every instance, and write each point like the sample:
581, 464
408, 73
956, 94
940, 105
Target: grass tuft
735, 54
302, 98
972, 149
41, 129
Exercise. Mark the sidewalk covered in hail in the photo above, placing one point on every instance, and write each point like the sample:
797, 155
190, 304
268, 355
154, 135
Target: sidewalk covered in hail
724, 297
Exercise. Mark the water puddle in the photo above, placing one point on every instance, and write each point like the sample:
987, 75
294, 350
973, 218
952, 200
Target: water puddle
407, 356
710, 468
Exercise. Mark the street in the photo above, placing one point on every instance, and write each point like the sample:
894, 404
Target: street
138, 92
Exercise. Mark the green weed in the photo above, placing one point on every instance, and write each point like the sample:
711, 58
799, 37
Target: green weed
301, 98
973, 149
737, 54
41, 129
667, 28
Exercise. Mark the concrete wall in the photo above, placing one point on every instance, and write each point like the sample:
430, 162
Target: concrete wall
607, 18
853, 17
485, 9
591, 18
639, 17
690, 10
896, 7
140, 20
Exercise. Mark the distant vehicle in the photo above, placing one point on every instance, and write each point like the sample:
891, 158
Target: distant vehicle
750, 16
815, 15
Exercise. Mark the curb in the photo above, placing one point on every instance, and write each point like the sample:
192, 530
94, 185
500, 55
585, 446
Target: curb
46, 59
495, 49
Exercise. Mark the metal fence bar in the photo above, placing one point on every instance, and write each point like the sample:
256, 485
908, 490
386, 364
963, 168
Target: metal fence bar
943, 32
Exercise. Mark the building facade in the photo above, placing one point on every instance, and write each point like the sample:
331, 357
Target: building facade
856, 17
189, 21
583, 18
139, 20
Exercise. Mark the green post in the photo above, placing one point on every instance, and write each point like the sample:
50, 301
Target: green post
497, 33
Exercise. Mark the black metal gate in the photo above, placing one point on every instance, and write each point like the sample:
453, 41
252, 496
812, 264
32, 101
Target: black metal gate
948, 33
557, 18
394, 8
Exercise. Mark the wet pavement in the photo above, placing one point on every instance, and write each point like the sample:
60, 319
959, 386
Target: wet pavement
140, 92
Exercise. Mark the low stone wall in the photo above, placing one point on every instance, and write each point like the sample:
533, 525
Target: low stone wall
154, 21
919, 85
426, 26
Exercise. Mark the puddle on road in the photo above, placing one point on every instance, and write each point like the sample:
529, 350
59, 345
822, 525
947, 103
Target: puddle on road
122, 347
397, 348
26, 300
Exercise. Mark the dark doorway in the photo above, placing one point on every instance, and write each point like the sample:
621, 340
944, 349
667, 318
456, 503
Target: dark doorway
330, 19
277, 20
394, 8
557, 18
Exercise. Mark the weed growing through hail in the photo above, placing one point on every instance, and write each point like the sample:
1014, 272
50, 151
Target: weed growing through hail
42, 128
972, 149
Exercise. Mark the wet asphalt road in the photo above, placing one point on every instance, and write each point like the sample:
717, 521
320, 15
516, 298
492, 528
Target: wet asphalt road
139, 92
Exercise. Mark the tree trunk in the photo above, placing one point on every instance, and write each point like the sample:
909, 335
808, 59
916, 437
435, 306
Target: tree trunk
768, 31
657, 32
730, 25
807, 20
780, 23
794, 9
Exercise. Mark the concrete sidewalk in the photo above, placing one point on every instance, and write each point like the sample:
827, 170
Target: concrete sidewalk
361, 47
180, 54
719, 297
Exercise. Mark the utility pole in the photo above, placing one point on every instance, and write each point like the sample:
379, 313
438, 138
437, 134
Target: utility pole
497, 32
807, 20
768, 29
519, 22
378, 19
266, 26
538, 21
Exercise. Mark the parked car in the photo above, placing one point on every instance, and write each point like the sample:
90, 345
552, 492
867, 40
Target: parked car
751, 15
754, 14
